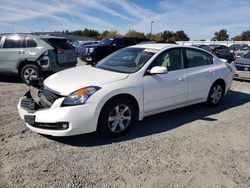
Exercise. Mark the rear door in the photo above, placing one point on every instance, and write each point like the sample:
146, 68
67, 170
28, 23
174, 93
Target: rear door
10, 53
200, 70
64, 51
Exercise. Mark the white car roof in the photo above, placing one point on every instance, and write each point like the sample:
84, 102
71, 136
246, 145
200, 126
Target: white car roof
155, 46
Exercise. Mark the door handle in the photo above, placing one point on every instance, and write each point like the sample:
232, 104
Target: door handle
182, 78
211, 71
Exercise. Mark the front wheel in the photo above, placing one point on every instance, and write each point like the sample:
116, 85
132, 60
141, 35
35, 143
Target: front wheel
215, 94
116, 117
29, 72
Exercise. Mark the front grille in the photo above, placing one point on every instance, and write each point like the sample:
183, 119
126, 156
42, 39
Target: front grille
242, 67
47, 97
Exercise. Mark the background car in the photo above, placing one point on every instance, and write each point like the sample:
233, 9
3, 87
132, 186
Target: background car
242, 67
240, 50
91, 54
82, 45
203, 46
222, 52
30, 56
132, 83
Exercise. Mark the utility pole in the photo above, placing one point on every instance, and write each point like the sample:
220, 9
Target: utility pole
151, 28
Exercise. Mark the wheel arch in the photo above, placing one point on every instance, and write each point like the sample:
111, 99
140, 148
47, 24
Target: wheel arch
128, 96
223, 83
21, 64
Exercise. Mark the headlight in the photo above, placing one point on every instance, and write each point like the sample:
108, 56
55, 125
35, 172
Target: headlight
80, 96
91, 50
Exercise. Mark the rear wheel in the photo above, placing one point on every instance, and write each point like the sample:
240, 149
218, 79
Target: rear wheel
215, 94
116, 117
29, 72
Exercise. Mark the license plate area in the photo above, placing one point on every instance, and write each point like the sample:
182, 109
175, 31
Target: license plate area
244, 74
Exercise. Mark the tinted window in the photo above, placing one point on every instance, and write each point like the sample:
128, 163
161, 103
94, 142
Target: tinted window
172, 59
197, 58
223, 50
106, 41
31, 43
60, 43
12, 42
119, 42
129, 42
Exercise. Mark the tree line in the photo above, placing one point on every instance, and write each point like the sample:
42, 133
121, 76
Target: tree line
167, 35
163, 36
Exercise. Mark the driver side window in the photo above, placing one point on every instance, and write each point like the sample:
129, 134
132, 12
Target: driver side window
171, 59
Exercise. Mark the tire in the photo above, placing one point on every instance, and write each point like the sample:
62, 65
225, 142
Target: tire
116, 117
215, 94
30, 71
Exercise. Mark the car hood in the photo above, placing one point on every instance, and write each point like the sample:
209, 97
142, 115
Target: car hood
70, 80
243, 61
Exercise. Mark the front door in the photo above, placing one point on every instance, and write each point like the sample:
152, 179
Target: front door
166, 90
10, 53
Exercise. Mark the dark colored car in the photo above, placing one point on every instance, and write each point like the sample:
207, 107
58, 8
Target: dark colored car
91, 54
242, 67
222, 52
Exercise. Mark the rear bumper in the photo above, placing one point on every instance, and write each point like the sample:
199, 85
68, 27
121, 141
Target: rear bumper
243, 75
60, 121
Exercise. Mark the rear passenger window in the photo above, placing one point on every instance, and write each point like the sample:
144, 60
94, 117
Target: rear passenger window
171, 59
12, 42
31, 43
196, 58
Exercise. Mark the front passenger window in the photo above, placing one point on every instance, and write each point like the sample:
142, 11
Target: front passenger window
171, 59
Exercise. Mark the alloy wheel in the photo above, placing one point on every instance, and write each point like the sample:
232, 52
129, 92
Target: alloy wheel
216, 94
29, 74
119, 118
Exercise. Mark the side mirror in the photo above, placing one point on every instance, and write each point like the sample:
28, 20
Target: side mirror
158, 70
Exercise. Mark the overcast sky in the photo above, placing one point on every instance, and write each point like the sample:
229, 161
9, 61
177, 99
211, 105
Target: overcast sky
198, 18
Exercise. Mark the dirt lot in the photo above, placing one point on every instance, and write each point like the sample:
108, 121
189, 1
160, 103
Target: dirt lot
195, 146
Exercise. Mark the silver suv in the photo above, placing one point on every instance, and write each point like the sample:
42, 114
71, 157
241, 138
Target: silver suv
30, 56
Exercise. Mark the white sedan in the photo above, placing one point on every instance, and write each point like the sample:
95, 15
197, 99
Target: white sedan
126, 86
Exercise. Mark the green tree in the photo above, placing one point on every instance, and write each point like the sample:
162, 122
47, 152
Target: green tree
167, 35
245, 36
221, 35
135, 34
237, 38
111, 34
180, 36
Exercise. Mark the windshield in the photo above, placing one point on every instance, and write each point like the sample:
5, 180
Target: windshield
106, 41
127, 60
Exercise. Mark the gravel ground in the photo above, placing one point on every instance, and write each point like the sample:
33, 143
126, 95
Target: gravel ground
194, 146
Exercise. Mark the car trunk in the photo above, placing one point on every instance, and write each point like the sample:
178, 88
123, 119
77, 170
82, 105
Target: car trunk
64, 51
